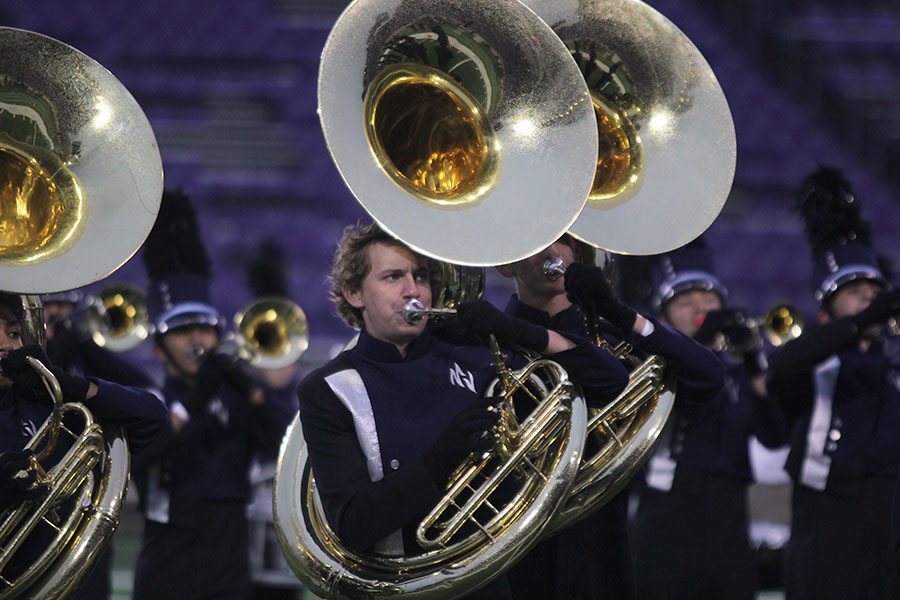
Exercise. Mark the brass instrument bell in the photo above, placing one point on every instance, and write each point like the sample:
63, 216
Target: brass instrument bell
117, 318
667, 147
80, 169
274, 332
474, 121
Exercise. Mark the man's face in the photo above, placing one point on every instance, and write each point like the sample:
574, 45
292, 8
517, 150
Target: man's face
529, 276
186, 345
395, 276
686, 310
10, 339
853, 298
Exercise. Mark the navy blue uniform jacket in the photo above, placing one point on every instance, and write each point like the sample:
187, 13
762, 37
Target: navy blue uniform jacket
371, 397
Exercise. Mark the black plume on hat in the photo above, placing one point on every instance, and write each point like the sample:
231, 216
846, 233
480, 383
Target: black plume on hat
830, 211
265, 270
839, 237
174, 244
178, 267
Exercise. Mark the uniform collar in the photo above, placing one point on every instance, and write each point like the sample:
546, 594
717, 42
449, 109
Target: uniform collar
520, 310
567, 318
382, 351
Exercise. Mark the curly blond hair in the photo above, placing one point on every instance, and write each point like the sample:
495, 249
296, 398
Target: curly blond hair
351, 265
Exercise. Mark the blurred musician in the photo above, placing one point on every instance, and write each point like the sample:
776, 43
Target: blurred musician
838, 384
71, 348
25, 405
592, 558
424, 397
691, 527
272, 578
194, 485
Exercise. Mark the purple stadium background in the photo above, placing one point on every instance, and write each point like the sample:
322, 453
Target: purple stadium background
230, 89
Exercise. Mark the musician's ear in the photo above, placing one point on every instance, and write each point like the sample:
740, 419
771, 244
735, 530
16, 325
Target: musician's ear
354, 297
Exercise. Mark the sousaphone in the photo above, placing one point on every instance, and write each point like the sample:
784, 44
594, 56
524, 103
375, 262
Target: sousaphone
80, 186
667, 150
465, 129
664, 169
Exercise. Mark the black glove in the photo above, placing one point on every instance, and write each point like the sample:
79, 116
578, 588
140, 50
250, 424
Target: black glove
483, 319
587, 287
469, 431
884, 306
208, 380
242, 379
16, 486
716, 322
29, 384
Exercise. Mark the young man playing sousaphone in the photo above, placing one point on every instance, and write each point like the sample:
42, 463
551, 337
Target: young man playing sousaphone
389, 420
591, 559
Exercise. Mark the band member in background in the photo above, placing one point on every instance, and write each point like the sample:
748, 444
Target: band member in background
71, 348
838, 384
592, 558
25, 405
691, 528
410, 402
271, 576
194, 483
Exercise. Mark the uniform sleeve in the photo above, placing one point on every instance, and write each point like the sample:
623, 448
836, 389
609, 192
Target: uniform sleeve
791, 366
699, 374
768, 421
140, 413
360, 511
100, 362
800, 356
601, 376
268, 423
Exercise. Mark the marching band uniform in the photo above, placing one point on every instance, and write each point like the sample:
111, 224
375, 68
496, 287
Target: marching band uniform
140, 413
592, 558
388, 421
690, 531
406, 403
24, 406
271, 576
838, 384
195, 498
194, 483
74, 351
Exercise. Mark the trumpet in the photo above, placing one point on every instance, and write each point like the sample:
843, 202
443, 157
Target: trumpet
117, 318
781, 324
271, 333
